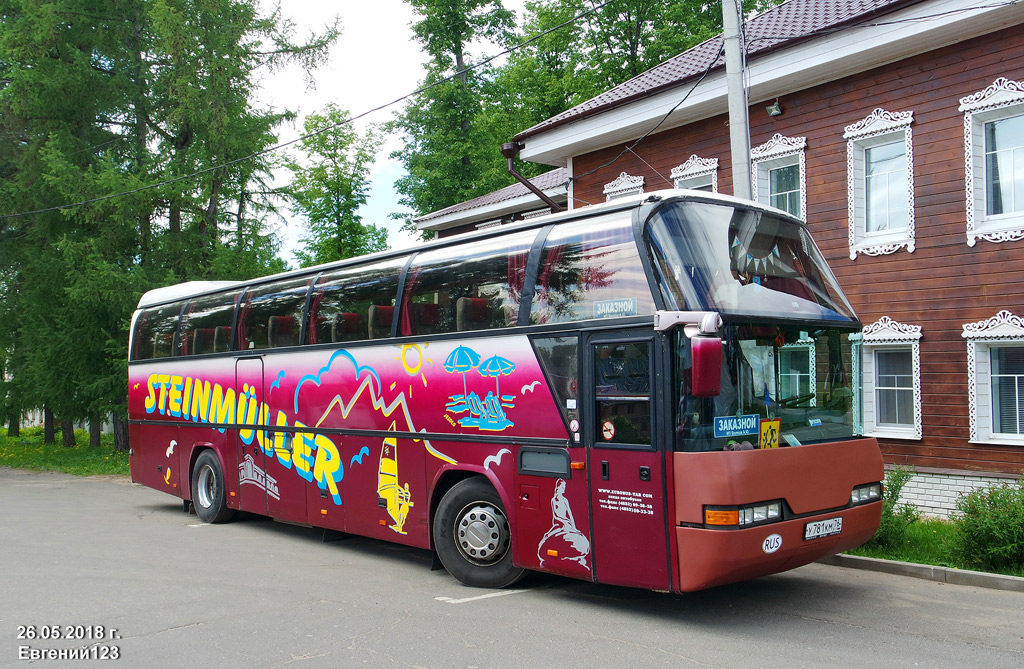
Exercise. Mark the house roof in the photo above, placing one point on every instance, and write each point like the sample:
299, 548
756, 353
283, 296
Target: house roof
789, 23
494, 203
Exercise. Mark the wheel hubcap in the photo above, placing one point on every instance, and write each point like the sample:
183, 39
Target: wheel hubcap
482, 533
206, 487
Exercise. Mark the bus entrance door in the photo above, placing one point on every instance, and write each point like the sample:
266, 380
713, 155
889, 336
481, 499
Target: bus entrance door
627, 489
252, 466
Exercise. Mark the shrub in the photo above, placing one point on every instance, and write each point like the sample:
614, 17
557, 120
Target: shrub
989, 526
895, 519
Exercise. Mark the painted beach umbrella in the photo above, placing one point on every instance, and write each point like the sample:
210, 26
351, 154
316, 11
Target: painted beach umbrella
496, 366
462, 359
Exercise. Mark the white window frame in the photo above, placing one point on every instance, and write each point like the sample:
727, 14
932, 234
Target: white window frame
696, 172
623, 185
805, 344
779, 151
1003, 99
885, 334
879, 128
1003, 329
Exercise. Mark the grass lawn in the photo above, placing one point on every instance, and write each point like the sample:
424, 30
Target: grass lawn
926, 543
29, 452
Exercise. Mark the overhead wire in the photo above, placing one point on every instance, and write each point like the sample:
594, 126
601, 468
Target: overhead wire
746, 51
282, 145
593, 9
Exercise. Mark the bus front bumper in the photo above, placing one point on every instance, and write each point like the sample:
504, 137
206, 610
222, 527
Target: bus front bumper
710, 557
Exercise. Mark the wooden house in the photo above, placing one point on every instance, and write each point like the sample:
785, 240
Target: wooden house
895, 128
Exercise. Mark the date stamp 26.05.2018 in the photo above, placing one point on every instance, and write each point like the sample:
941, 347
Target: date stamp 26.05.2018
88, 642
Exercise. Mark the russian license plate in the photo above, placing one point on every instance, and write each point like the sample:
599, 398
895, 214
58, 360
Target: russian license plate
823, 528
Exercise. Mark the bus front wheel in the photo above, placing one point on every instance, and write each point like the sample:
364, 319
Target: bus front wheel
208, 494
472, 536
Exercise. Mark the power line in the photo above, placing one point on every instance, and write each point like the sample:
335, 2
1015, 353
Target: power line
880, 24
630, 147
747, 52
277, 147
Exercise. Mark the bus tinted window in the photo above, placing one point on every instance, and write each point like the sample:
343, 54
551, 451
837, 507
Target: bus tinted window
559, 359
206, 324
271, 315
474, 287
354, 303
154, 332
591, 269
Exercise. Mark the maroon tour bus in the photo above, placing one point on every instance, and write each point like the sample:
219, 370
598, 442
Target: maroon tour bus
656, 392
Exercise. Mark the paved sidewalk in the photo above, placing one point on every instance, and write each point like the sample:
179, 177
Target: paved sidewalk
951, 575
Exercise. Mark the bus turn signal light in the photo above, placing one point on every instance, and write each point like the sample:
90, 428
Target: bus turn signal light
721, 517
577, 465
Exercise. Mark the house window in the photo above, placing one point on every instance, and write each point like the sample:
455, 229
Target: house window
994, 162
1007, 389
697, 174
995, 378
623, 185
894, 387
784, 188
778, 174
796, 372
889, 401
880, 183
1004, 166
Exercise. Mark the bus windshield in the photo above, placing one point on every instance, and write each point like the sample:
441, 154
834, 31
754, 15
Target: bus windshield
717, 257
781, 386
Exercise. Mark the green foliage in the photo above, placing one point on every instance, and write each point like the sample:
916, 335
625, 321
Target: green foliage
29, 452
107, 96
896, 518
990, 527
453, 133
925, 542
329, 188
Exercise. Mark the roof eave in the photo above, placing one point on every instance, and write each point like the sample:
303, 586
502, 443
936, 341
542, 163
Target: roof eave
801, 64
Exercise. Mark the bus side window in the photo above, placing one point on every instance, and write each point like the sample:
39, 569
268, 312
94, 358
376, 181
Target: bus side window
154, 332
203, 324
591, 269
271, 315
472, 313
354, 303
380, 318
478, 290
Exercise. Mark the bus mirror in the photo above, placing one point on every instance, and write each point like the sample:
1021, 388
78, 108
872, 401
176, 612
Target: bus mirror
706, 354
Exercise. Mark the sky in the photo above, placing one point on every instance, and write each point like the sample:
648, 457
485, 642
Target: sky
375, 61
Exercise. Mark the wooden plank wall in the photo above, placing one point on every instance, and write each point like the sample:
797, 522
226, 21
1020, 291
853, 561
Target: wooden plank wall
944, 283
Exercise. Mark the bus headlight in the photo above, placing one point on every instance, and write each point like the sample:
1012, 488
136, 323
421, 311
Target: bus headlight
868, 492
743, 516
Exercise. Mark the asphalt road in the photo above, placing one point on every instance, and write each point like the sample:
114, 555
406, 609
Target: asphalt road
254, 593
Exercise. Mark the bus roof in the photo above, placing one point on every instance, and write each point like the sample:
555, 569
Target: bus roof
195, 288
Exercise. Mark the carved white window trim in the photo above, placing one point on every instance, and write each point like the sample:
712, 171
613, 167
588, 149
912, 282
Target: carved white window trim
623, 185
885, 334
696, 172
1003, 329
856, 346
880, 127
807, 345
779, 151
1004, 98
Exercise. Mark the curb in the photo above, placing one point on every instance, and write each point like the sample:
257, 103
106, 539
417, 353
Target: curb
978, 579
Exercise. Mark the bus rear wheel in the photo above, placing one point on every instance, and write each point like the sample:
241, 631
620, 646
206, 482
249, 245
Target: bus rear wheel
472, 536
208, 494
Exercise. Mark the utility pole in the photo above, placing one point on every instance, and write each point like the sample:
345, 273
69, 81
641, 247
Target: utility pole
739, 132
